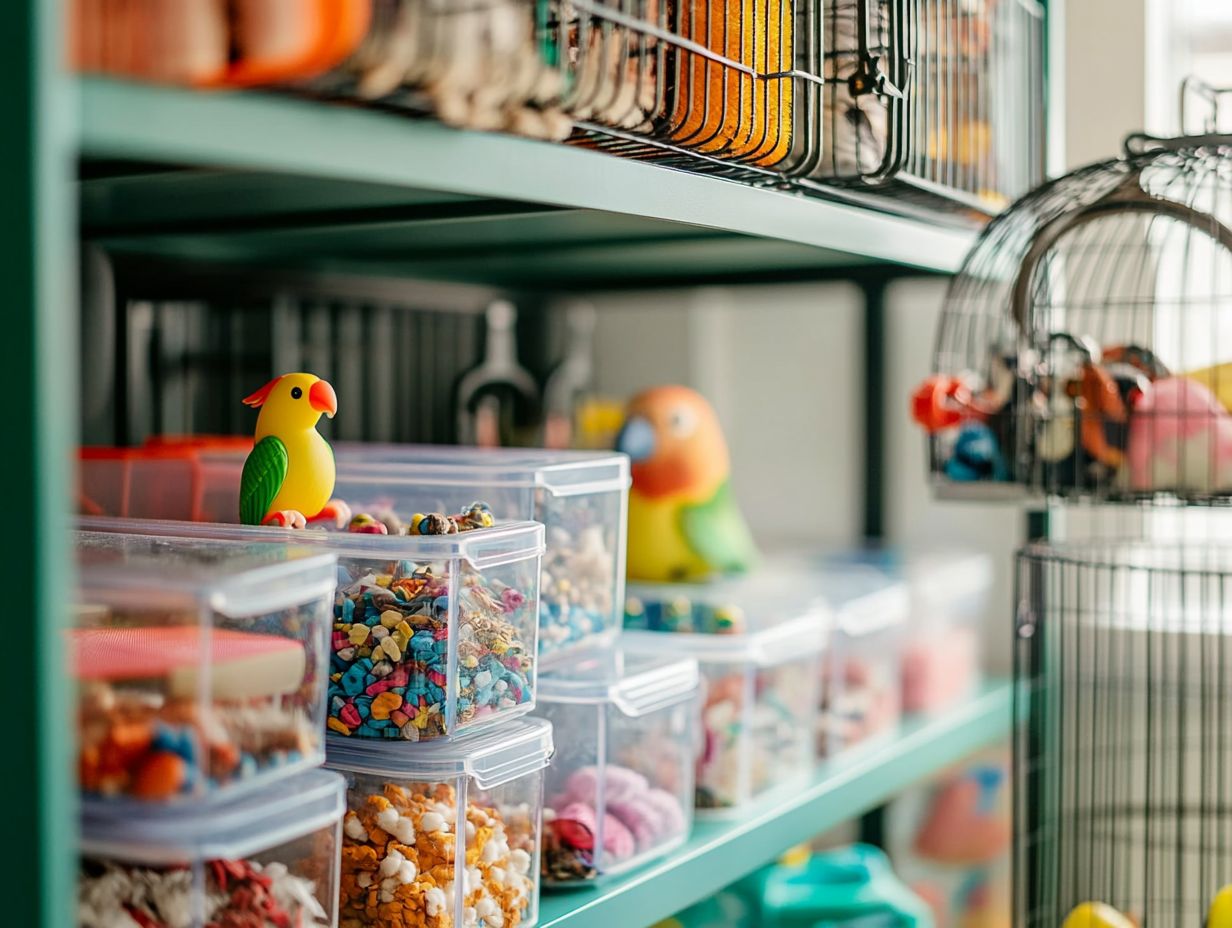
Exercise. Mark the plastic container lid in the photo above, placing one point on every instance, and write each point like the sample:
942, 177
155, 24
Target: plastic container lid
637, 684
481, 548
158, 574
562, 473
490, 758
783, 611
229, 829
865, 600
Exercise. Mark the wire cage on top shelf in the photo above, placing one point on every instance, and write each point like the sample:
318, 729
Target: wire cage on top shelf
1085, 348
931, 101
1123, 788
934, 100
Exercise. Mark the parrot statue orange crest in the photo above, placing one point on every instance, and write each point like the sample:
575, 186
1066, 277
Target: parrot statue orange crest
684, 523
289, 474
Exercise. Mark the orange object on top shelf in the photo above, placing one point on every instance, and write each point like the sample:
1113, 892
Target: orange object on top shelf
718, 109
216, 43
289, 40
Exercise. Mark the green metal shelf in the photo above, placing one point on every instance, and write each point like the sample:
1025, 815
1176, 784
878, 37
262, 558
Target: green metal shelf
719, 853
255, 177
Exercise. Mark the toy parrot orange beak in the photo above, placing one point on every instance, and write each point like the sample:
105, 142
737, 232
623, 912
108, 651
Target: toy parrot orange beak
322, 398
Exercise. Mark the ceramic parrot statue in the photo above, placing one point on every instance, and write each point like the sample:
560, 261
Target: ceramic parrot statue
684, 523
289, 474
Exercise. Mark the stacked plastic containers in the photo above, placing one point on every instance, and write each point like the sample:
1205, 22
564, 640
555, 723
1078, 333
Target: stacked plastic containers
759, 642
861, 693
580, 497
434, 649
200, 671
620, 788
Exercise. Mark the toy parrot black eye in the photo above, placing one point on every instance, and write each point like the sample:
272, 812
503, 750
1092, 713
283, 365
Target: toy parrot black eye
681, 422
296, 393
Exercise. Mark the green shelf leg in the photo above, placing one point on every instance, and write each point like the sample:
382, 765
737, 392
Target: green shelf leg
38, 387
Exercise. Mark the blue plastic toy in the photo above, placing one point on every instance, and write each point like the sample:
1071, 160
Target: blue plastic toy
853, 887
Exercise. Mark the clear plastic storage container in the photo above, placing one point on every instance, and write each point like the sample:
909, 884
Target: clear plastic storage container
581, 497
861, 694
407, 810
620, 787
200, 666
758, 641
433, 635
949, 606
267, 860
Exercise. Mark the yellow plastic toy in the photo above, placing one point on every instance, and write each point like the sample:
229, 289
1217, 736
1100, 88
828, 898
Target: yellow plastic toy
684, 523
289, 474
1219, 915
1096, 915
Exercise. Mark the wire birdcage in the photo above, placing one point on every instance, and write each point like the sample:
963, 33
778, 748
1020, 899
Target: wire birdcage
935, 99
1123, 787
931, 102
1085, 348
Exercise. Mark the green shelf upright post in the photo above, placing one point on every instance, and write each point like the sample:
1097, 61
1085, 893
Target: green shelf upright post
38, 368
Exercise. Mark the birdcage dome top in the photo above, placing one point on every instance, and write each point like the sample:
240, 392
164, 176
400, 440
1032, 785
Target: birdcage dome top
1085, 346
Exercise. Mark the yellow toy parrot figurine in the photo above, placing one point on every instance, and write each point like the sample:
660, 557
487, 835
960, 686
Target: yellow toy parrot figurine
684, 523
289, 474
1219, 915
1096, 915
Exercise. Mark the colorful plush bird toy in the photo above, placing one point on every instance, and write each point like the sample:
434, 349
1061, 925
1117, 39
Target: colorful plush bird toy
684, 523
289, 474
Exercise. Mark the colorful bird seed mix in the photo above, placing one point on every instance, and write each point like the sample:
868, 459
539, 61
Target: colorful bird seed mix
237, 894
398, 861
391, 663
576, 587
151, 746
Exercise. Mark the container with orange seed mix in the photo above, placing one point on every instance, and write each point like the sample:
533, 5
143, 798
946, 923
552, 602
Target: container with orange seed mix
408, 807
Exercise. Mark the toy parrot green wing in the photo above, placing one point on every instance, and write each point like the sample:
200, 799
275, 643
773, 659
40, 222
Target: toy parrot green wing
715, 530
264, 472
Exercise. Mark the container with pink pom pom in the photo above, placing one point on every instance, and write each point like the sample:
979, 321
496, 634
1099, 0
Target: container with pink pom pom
620, 787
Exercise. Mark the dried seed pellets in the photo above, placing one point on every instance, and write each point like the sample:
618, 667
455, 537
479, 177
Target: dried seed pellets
445, 834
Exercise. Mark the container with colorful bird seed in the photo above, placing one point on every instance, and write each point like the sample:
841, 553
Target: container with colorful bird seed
759, 642
861, 693
620, 787
581, 497
415, 818
433, 635
200, 665
266, 859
